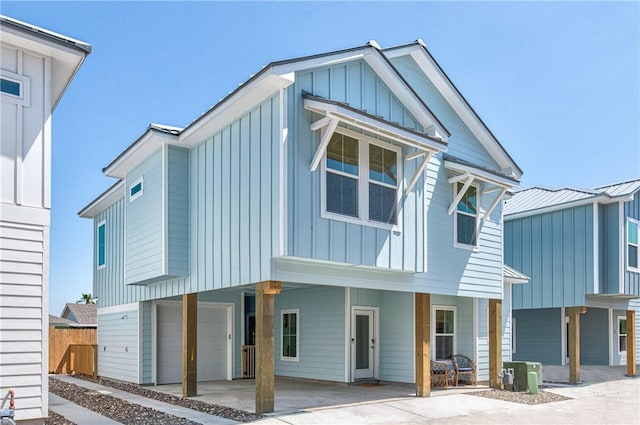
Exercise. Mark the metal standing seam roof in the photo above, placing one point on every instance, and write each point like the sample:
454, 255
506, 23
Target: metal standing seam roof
541, 197
511, 273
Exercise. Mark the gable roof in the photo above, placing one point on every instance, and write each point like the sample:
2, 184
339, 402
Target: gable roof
66, 53
537, 200
84, 314
59, 321
511, 275
434, 72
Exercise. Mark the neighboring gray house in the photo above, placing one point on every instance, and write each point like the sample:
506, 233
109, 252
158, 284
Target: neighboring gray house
81, 314
580, 248
343, 209
36, 67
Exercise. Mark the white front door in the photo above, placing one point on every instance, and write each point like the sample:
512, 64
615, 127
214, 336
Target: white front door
363, 343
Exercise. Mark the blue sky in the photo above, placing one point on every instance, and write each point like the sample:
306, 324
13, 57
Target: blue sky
558, 83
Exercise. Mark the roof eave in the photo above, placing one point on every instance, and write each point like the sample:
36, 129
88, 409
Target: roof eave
104, 200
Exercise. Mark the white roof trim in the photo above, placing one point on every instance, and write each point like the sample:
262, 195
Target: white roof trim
103, 201
600, 199
511, 275
140, 150
450, 93
480, 174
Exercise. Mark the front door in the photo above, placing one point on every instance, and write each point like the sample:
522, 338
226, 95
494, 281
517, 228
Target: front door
363, 343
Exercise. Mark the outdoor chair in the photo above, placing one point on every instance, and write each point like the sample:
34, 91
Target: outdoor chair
441, 375
465, 368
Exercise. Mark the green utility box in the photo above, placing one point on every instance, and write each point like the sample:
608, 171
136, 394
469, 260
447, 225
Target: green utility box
521, 371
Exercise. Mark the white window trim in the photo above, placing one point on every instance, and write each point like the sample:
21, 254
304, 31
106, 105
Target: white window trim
637, 223
363, 183
295, 311
98, 265
433, 328
619, 335
24, 99
139, 194
457, 244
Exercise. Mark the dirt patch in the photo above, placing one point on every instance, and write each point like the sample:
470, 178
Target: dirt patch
521, 397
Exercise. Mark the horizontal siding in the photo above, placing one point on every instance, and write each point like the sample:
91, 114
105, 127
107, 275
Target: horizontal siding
631, 278
462, 143
539, 336
144, 222
322, 333
556, 251
147, 344
178, 211
118, 345
397, 355
482, 339
23, 264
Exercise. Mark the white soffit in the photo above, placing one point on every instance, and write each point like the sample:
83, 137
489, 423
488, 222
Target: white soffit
107, 198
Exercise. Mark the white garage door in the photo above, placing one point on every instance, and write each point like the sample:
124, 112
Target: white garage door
213, 341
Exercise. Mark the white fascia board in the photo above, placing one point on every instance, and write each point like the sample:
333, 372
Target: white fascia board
242, 101
369, 124
459, 105
139, 151
481, 175
105, 200
65, 60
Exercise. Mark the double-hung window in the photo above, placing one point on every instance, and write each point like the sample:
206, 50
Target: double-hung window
622, 334
445, 332
101, 242
290, 328
361, 181
633, 253
466, 218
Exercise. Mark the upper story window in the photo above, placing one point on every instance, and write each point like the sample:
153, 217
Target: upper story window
136, 189
361, 181
633, 253
466, 217
10, 87
101, 241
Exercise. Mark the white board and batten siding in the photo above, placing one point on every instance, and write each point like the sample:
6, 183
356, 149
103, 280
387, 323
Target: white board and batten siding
24, 232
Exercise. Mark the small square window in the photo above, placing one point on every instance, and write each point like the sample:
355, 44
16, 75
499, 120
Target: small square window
136, 189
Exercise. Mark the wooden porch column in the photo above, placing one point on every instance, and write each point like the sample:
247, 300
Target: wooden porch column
423, 344
631, 342
574, 343
495, 342
265, 366
189, 345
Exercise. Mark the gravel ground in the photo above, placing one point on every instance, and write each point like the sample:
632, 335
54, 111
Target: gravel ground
521, 397
212, 409
55, 419
111, 407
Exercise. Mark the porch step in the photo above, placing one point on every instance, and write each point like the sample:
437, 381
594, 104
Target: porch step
366, 382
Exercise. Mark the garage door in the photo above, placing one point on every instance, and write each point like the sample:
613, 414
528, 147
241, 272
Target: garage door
212, 343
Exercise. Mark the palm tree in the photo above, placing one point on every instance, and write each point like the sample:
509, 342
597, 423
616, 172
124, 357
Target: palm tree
86, 299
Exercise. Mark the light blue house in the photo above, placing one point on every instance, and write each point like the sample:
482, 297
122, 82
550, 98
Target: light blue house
580, 248
338, 186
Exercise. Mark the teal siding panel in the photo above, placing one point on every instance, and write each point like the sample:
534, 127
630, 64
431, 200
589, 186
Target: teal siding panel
539, 335
144, 226
322, 336
594, 337
631, 278
609, 253
118, 345
462, 143
178, 211
396, 345
556, 251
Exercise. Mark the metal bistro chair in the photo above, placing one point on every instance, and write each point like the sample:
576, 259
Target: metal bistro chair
465, 368
441, 375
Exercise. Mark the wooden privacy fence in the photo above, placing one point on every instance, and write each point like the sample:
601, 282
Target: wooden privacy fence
73, 350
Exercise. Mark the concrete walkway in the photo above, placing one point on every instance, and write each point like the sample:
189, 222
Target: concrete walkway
77, 414
179, 411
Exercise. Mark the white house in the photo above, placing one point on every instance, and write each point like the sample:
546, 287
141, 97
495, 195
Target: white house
36, 67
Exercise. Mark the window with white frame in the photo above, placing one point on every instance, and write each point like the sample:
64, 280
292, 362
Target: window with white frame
445, 332
633, 253
101, 245
136, 189
290, 331
361, 180
10, 87
622, 334
466, 217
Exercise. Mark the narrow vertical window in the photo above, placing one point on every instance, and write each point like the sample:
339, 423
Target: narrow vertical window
445, 333
622, 334
383, 184
136, 189
633, 253
342, 175
290, 327
466, 220
101, 251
